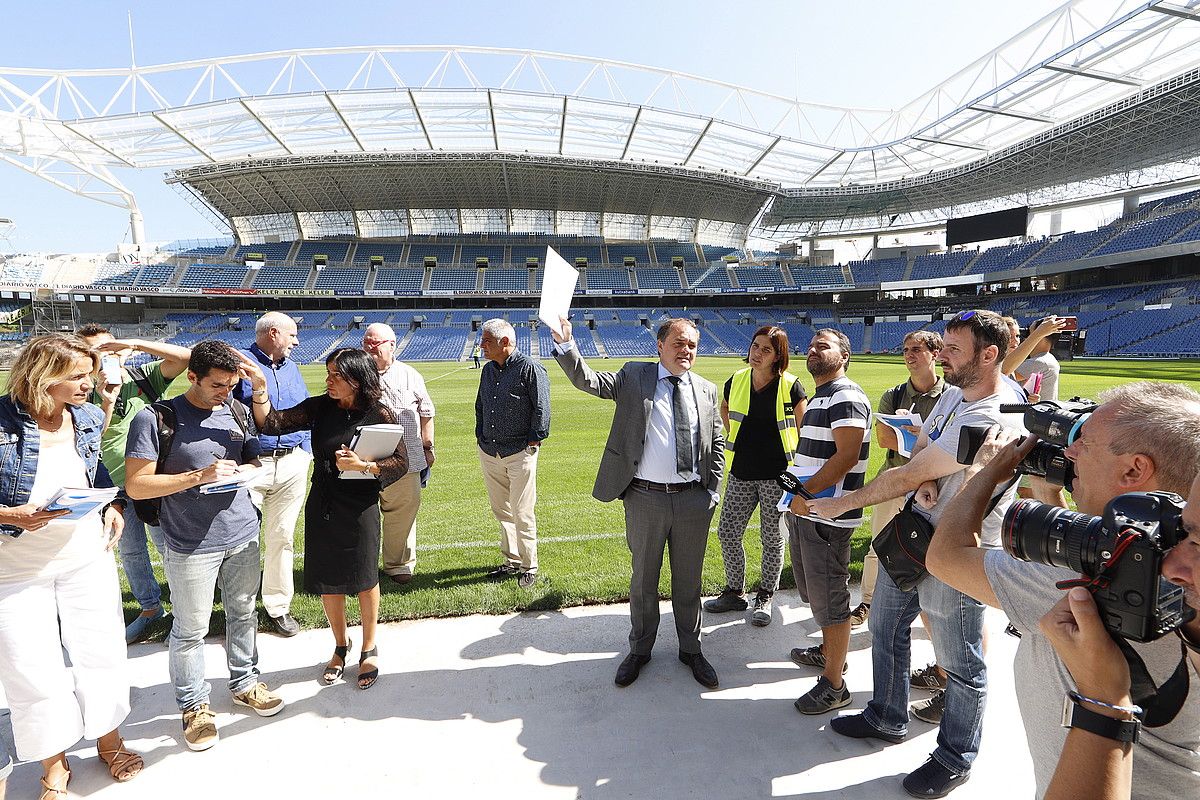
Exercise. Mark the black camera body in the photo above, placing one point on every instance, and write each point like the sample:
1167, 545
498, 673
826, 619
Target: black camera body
1056, 424
1121, 553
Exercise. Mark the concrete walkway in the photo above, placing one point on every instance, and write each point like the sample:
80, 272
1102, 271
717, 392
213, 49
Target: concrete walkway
524, 706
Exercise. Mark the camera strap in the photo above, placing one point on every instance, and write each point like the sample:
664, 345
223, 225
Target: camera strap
1161, 703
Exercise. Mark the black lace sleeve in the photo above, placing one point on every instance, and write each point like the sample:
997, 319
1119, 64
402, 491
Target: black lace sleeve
290, 420
394, 467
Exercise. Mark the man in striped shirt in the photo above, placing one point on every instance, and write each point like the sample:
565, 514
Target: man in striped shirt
833, 451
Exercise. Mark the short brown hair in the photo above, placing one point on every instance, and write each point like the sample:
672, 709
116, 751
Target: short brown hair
43, 361
987, 328
90, 329
665, 328
928, 339
779, 341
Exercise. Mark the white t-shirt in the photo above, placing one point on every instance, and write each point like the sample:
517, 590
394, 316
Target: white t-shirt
1048, 365
62, 545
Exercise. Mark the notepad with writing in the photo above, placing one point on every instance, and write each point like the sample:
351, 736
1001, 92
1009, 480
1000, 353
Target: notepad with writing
80, 502
373, 442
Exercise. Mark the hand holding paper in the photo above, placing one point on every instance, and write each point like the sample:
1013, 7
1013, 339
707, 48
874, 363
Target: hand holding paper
906, 425
558, 284
78, 503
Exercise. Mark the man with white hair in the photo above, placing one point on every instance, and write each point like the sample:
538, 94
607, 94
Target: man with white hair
404, 392
512, 418
279, 494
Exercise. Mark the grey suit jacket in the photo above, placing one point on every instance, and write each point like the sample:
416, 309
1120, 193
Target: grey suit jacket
632, 387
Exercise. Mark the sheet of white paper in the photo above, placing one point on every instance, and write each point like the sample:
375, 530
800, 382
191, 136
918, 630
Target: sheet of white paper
558, 284
233, 483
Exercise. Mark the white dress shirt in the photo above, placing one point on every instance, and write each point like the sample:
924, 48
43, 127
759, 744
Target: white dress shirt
658, 456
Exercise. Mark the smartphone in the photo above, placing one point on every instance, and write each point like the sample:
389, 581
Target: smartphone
1072, 324
110, 370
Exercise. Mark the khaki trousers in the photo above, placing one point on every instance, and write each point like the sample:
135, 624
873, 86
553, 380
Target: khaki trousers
279, 495
399, 503
512, 490
880, 515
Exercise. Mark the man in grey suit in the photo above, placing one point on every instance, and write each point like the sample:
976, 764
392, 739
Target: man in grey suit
664, 458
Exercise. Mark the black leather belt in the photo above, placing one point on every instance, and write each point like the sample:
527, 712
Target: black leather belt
278, 452
665, 488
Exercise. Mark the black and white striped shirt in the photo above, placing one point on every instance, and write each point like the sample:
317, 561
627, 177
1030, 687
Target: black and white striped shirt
837, 404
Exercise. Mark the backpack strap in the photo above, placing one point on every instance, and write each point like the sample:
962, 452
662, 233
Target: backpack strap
142, 381
239, 415
164, 413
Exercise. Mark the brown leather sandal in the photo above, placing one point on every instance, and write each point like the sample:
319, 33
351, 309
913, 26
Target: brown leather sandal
53, 792
123, 764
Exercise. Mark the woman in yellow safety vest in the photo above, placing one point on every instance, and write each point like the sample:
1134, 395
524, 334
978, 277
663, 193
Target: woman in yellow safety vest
761, 405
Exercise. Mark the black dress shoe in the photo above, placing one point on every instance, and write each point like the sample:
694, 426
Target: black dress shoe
702, 671
627, 673
284, 625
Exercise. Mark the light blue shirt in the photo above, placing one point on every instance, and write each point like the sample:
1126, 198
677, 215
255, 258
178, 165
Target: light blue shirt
658, 456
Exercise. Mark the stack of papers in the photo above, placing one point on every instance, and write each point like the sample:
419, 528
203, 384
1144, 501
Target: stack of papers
373, 442
241, 480
905, 440
81, 502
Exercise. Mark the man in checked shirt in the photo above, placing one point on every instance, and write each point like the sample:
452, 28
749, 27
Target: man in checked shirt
512, 418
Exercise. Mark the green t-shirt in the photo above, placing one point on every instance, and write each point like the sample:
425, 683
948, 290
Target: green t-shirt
129, 403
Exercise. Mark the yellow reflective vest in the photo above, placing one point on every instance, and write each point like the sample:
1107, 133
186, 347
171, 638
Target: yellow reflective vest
739, 407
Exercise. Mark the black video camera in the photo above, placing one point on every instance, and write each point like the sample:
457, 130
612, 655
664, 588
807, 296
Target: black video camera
1121, 553
1056, 424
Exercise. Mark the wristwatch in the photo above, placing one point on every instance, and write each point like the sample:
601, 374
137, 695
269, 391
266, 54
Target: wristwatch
1077, 715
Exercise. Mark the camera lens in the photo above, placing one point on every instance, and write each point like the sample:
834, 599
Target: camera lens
1051, 535
1049, 461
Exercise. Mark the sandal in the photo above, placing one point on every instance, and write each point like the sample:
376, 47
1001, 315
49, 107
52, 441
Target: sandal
332, 673
123, 765
53, 792
367, 678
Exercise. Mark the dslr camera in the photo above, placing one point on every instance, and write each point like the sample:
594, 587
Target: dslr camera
1055, 423
1121, 553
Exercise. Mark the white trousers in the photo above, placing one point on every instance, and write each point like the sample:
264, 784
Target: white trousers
55, 705
512, 490
280, 496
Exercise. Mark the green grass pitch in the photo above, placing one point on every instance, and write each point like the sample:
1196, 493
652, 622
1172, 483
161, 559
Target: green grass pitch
582, 552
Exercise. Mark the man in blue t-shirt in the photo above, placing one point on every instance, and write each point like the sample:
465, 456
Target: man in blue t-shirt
209, 536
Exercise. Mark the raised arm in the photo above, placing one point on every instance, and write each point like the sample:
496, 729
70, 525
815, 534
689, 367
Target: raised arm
602, 384
174, 358
1046, 327
268, 420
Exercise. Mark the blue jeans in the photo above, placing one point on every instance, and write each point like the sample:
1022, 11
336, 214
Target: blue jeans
193, 579
956, 627
135, 559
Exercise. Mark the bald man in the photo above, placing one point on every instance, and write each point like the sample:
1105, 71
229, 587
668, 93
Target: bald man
404, 392
279, 494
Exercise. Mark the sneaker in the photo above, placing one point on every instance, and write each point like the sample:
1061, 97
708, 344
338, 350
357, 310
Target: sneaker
503, 572
283, 625
261, 699
761, 609
141, 626
931, 708
858, 616
811, 657
200, 727
526, 579
931, 779
927, 678
823, 698
729, 600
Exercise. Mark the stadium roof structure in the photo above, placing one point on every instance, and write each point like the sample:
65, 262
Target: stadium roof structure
1093, 91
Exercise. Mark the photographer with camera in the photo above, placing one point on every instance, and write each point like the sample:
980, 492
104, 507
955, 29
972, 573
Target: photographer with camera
1142, 437
974, 346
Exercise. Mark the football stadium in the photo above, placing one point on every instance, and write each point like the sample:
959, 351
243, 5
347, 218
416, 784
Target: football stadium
423, 187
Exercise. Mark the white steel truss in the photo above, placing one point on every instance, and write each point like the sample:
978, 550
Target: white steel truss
1083, 56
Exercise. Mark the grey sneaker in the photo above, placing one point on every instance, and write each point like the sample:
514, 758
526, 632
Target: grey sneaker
526, 579
931, 708
261, 699
811, 657
927, 678
761, 609
200, 727
858, 616
728, 600
823, 698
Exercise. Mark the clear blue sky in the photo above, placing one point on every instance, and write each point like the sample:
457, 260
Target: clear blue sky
854, 53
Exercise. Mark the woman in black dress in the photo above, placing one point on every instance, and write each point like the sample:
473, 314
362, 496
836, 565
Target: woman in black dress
341, 517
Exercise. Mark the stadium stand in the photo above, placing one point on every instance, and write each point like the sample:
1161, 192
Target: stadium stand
591, 252
213, 276
271, 251
342, 279
419, 251
665, 251
817, 277
640, 253
873, 271
116, 274
401, 280
707, 277
433, 344
519, 255
1007, 256
272, 277
749, 277
941, 265
624, 341
712, 253
471, 252
336, 251
496, 279
155, 275
1149, 233
456, 280
602, 278
657, 278
390, 253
